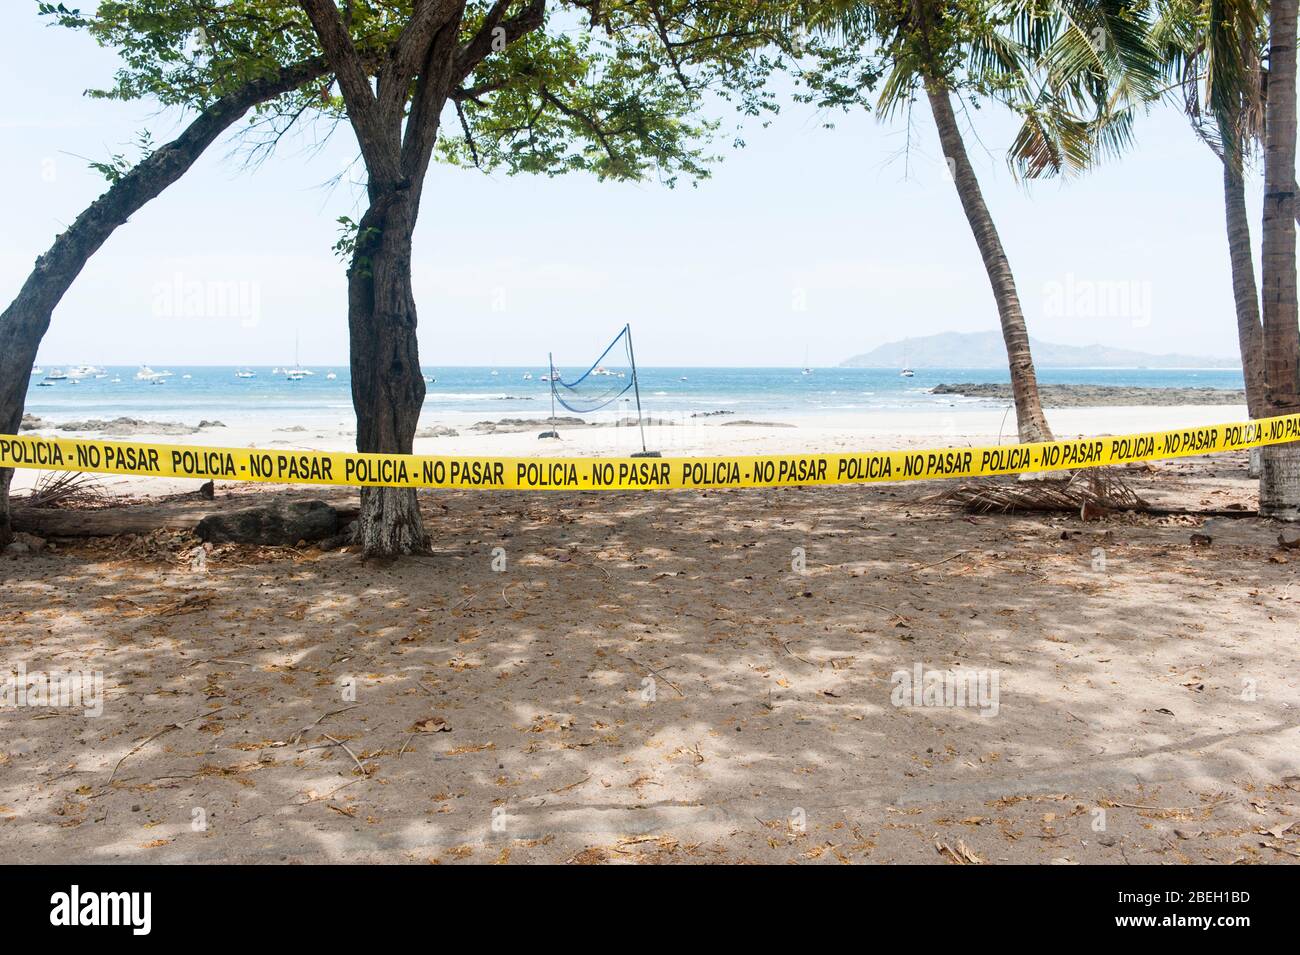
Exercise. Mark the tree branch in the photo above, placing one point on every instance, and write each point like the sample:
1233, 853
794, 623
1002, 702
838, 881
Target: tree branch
475, 51
592, 124
378, 144
431, 92
420, 32
471, 94
469, 136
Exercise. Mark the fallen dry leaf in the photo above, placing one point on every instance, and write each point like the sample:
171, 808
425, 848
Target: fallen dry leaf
434, 724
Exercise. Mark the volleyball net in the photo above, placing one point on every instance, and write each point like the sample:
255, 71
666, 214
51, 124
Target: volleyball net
610, 377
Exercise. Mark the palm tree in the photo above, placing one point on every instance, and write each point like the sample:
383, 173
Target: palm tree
1211, 53
1279, 484
1053, 61
1030, 420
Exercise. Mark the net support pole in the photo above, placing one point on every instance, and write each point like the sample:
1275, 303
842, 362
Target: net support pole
550, 360
636, 386
550, 380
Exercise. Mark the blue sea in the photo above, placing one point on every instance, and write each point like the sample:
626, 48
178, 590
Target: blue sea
460, 394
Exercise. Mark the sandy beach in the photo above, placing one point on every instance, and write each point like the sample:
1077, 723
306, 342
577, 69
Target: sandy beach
674, 677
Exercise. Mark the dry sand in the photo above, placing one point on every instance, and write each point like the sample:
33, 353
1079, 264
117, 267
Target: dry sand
650, 679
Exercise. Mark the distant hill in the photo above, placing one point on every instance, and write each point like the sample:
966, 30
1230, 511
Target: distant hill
985, 350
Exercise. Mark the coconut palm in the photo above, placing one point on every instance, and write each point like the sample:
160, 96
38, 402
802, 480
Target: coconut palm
1214, 52
1211, 52
1279, 484
1066, 66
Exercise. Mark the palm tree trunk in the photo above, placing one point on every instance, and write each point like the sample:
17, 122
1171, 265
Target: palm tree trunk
1279, 485
1250, 332
1030, 420
24, 323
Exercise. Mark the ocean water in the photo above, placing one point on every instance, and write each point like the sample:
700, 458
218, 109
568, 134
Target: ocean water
463, 394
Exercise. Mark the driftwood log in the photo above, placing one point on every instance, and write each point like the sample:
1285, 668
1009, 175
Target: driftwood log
271, 523
282, 523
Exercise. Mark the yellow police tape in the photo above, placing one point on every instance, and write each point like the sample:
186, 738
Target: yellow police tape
597, 474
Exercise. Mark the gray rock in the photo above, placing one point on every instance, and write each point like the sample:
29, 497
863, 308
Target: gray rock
281, 524
31, 540
511, 425
1093, 396
25, 544
128, 427
342, 538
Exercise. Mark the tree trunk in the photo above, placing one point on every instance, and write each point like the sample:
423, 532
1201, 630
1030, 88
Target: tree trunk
1250, 332
1279, 486
6, 515
24, 323
387, 383
1030, 420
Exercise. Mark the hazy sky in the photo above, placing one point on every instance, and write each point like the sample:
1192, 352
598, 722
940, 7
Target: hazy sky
807, 238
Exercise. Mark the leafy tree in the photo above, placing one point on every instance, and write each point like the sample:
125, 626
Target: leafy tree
219, 63
609, 88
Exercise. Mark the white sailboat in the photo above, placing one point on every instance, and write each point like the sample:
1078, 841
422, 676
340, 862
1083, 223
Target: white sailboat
907, 371
297, 372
